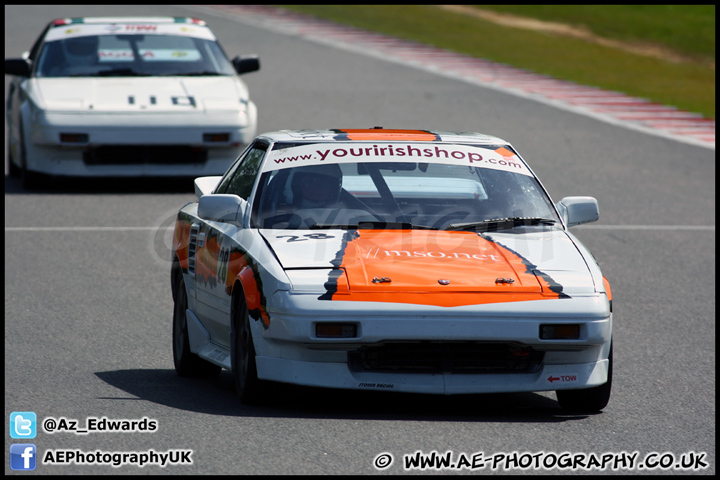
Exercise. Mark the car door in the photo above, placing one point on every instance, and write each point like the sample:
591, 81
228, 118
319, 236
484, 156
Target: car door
217, 243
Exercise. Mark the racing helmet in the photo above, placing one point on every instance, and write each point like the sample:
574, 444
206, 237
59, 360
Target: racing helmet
315, 185
81, 50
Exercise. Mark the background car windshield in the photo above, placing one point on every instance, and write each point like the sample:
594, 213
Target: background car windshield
123, 55
423, 194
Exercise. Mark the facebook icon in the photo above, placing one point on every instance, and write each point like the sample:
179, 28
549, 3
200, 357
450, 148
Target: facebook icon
23, 456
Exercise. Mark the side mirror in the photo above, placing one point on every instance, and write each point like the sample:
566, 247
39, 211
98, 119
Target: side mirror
222, 208
205, 186
246, 63
578, 210
17, 66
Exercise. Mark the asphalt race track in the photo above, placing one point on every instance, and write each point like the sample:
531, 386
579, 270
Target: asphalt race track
88, 307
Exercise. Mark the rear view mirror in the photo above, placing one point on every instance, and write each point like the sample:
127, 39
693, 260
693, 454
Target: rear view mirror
394, 166
221, 208
578, 210
246, 63
17, 66
131, 38
205, 185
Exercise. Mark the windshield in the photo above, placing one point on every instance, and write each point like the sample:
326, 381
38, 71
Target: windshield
131, 55
325, 188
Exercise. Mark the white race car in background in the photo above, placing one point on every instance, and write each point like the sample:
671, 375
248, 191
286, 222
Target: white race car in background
127, 97
393, 260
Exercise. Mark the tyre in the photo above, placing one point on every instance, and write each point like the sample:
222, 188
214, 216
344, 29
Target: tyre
14, 170
589, 399
187, 364
249, 388
30, 180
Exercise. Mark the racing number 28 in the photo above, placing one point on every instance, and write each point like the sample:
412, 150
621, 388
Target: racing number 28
308, 236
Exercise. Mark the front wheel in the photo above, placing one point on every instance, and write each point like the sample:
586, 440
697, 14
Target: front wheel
14, 169
588, 399
30, 180
249, 388
187, 364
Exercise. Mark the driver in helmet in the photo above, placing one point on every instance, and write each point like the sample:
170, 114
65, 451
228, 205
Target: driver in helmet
81, 50
316, 186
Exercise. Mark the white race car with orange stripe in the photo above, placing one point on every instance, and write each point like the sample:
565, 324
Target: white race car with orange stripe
396, 260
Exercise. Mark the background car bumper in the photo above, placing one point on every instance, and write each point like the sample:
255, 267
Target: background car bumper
82, 145
69, 161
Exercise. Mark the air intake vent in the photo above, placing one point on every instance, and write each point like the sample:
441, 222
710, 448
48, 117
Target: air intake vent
192, 248
144, 155
450, 357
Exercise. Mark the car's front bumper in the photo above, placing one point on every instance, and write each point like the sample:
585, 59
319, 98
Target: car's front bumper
194, 149
288, 349
73, 162
338, 375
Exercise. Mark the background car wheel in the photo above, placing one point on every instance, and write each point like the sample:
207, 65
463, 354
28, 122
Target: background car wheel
14, 170
29, 179
249, 388
589, 399
187, 364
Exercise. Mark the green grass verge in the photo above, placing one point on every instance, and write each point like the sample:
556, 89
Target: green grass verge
689, 85
686, 29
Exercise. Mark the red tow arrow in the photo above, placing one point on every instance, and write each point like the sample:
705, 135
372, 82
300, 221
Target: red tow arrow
551, 379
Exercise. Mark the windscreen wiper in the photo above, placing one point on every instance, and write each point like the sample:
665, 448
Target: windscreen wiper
201, 73
121, 72
197, 73
503, 223
373, 226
